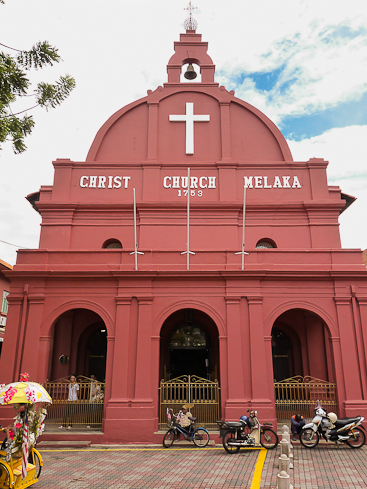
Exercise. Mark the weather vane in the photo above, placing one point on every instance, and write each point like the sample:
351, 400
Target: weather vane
190, 23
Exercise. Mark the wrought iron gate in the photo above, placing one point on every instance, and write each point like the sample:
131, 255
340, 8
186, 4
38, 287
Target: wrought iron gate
82, 413
190, 389
299, 395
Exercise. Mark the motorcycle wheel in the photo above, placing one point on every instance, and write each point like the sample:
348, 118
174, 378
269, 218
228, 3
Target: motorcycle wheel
268, 439
357, 439
309, 438
229, 448
169, 438
201, 438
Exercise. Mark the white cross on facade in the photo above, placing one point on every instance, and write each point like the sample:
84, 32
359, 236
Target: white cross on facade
189, 118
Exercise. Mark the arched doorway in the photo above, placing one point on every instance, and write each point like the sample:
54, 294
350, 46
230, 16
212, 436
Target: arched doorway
189, 345
303, 367
189, 365
80, 350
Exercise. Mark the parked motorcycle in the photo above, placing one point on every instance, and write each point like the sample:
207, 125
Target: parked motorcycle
248, 432
329, 427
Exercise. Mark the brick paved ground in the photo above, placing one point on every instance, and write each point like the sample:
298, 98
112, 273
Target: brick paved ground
212, 468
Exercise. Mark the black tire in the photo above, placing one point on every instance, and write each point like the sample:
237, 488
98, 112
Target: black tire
309, 438
169, 438
229, 448
268, 438
4, 476
201, 438
357, 439
37, 463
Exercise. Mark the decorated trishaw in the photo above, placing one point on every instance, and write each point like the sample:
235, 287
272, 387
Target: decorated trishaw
20, 462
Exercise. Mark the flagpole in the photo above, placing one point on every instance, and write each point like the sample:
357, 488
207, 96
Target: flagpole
135, 252
242, 252
188, 252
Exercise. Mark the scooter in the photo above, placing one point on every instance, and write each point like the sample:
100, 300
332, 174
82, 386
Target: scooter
329, 427
248, 432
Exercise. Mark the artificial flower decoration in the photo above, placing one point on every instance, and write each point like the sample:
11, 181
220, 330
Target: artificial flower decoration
9, 394
24, 377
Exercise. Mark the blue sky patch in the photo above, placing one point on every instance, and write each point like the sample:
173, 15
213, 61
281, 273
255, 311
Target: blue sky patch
307, 126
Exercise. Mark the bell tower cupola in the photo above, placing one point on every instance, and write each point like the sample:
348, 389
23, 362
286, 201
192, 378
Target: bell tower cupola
192, 51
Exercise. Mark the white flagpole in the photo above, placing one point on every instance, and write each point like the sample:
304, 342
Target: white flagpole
243, 253
188, 252
135, 252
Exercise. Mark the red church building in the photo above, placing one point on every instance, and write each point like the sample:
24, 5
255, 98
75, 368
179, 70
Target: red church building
159, 299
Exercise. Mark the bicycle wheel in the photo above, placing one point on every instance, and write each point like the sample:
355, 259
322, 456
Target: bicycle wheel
357, 439
4, 476
309, 438
201, 438
268, 438
169, 438
229, 448
36, 461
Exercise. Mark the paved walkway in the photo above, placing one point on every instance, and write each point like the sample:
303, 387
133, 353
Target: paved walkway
209, 468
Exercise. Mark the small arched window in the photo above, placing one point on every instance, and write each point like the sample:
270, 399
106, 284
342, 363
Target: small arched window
112, 244
265, 243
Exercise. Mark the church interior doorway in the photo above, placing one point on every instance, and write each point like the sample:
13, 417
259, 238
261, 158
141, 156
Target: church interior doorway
189, 361
303, 368
189, 345
80, 350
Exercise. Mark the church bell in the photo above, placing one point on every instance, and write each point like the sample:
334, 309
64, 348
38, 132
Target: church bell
190, 73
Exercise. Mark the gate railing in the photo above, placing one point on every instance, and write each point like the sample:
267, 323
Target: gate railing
190, 389
299, 395
80, 414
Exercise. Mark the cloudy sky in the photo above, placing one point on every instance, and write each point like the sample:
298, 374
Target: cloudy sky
302, 62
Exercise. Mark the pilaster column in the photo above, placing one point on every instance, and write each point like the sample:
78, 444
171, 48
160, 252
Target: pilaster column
121, 350
225, 130
348, 348
109, 368
259, 373
362, 304
31, 353
8, 358
236, 380
143, 378
44, 359
152, 131
339, 373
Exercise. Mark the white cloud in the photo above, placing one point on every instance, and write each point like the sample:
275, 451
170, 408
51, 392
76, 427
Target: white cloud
345, 149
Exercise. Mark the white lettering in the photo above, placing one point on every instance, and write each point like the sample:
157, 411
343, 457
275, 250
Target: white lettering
110, 182
211, 183
126, 180
258, 182
175, 182
117, 182
247, 182
101, 182
296, 183
201, 184
194, 182
286, 182
92, 182
165, 184
184, 182
82, 184
277, 183
266, 183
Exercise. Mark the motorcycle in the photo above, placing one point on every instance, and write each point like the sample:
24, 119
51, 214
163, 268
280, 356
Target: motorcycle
329, 427
248, 432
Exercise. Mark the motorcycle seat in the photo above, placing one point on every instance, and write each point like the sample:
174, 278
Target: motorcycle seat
234, 424
344, 421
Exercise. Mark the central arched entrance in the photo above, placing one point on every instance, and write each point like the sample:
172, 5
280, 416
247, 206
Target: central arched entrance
189, 365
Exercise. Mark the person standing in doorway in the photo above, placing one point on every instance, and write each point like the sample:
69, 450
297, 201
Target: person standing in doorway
69, 408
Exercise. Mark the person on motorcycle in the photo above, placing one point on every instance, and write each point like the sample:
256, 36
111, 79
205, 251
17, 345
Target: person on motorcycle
297, 422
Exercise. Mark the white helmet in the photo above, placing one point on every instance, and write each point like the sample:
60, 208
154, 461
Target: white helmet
333, 417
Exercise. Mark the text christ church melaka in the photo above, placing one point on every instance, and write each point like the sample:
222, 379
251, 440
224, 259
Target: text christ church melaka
140, 279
